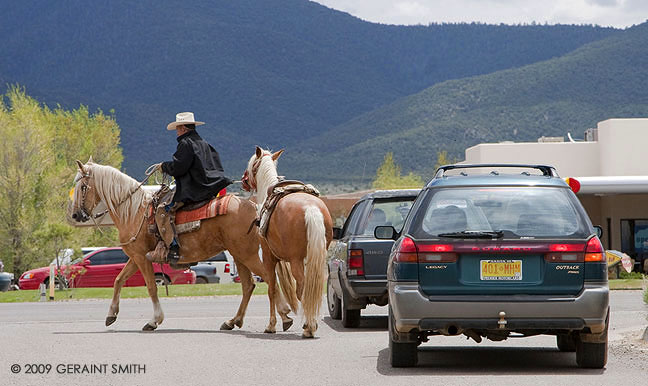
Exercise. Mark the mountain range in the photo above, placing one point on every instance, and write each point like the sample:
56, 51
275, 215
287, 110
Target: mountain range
335, 91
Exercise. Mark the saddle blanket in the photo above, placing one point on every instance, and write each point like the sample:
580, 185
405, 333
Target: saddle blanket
215, 207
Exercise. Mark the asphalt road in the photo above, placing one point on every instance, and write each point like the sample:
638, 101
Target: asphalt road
59, 339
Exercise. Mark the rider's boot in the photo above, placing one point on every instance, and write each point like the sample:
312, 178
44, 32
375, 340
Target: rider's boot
174, 252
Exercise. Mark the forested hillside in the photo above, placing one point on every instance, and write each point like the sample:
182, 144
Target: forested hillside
604, 79
272, 72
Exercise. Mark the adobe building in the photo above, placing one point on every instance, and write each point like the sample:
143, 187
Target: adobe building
611, 165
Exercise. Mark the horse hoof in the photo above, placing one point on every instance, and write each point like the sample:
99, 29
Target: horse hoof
226, 326
149, 327
269, 331
110, 320
239, 323
287, 325
307, 335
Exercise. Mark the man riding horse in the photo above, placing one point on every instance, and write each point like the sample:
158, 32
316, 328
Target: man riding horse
199, 176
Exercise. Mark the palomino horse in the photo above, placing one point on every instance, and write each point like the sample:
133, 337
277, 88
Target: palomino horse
128, 207
299, 232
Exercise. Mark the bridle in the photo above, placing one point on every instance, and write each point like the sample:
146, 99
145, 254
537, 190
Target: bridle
248, 181
85, 188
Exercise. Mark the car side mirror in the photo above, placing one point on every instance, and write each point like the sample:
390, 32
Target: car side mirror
599, 230
84, 262
337, 233
385, 232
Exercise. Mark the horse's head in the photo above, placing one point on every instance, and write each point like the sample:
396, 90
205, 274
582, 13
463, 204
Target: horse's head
249, 179
85, 197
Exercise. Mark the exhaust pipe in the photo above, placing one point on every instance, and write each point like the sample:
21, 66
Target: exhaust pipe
451, 330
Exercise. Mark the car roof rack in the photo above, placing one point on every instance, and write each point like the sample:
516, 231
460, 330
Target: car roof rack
546, 170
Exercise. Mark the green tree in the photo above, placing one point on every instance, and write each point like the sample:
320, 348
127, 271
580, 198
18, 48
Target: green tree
388, 176
37, 158
443, 159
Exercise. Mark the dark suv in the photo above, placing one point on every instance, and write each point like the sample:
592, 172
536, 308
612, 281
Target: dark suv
357, 262
506, 252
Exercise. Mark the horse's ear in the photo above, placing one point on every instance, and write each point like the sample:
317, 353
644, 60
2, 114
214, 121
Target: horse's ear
278, 154
80, 165
89, 160
259, 152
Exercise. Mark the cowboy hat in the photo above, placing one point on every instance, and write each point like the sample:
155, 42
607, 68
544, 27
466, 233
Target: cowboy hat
184, 119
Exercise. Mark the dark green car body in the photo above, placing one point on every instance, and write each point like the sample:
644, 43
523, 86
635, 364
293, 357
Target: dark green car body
496, 254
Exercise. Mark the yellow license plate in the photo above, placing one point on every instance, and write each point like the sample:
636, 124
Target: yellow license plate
501, 270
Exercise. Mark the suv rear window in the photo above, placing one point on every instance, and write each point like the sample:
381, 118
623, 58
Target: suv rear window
387, 212
525, 212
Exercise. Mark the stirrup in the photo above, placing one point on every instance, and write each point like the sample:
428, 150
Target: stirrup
173, 254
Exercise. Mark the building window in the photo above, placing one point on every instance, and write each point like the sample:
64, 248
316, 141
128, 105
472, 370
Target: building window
634, 240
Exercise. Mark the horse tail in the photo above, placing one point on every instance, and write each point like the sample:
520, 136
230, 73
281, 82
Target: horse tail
315, 264
287, 284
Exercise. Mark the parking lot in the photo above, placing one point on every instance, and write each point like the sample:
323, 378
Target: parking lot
189, 348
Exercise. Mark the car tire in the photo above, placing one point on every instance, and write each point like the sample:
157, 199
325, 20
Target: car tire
593, 355
350, 318
333, 301
565, 343
201, 280
57, 284
401, 354
161, 279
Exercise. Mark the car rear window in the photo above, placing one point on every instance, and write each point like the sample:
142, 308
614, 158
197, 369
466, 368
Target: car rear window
525, 212
387, 212
111, 256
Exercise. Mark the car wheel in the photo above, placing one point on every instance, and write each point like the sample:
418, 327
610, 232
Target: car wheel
401, 354
565, 343
58, 285
593, 355
334, 303
350, 318
201, 280
161, 279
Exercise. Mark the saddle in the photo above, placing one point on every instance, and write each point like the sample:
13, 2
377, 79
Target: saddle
275, 193
189, 216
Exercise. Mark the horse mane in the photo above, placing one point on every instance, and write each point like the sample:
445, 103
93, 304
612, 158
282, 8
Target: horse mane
114, 186
266, 175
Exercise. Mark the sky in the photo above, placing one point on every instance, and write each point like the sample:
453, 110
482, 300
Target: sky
614, 13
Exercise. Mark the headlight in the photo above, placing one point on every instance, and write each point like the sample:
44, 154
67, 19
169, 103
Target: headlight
28, 276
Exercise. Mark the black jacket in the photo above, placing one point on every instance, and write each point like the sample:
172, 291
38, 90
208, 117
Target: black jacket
197, 169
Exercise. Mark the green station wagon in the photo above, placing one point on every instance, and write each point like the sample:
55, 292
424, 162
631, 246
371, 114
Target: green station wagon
496, 251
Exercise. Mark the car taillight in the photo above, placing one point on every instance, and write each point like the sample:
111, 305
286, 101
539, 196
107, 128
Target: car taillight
406, 252
410, 252
436, 253
356, 262
572, 253
594, 250
227, 268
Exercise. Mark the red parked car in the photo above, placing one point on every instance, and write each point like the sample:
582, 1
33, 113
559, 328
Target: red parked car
100, 268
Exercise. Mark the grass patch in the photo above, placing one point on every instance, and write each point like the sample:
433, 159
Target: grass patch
626, 284
180, 290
